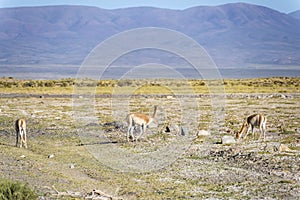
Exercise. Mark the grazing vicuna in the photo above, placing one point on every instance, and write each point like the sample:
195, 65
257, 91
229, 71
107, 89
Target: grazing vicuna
252, 121
141, 120
21, 132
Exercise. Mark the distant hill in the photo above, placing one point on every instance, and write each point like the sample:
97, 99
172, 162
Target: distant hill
233, 34
295, 14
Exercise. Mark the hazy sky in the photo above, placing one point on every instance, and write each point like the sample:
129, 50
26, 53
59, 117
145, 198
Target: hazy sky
285, 6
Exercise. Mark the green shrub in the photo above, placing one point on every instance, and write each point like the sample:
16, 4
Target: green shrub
10, 190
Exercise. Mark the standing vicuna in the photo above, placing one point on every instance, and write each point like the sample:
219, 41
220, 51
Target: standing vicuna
252, 121
141, 120
21, 132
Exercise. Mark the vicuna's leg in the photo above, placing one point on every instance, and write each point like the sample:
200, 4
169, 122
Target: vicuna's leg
263, 130
254, 134
129, 127
252, 131
24, 138
130, 131
17, 137
21, 138
142, 131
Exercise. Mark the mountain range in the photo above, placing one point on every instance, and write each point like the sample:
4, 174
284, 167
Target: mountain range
234, 35
295, 14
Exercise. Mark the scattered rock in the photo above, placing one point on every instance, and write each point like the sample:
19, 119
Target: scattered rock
254, 161
227, 139
283, 147
283, 96
203, 133
98, 194
269, 147
167, 130
173, 128
92, 124
184, 131
22, 156
51, 156
112, 126
71, 166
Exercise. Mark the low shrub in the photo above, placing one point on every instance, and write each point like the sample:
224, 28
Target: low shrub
11, 190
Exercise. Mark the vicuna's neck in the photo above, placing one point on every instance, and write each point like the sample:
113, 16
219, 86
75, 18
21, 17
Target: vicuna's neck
154, 113
244, 126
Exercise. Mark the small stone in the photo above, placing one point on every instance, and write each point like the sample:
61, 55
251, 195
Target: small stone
227, 139
173, 128
283, 147
71, 166
22, 156
51, 156
167, 130
283, 96
203, 133
184, 131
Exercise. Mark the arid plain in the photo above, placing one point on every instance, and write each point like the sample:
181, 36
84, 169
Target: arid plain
60, 161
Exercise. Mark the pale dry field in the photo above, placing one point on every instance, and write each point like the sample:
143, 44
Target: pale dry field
189, 166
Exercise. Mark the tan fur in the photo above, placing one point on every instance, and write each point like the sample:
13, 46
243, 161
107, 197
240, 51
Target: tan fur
21, 132
141, 120
252, 121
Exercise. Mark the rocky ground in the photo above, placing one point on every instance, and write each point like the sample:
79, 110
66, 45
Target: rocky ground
73, 155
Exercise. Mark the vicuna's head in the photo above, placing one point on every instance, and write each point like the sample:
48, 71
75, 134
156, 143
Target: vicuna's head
238, 135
